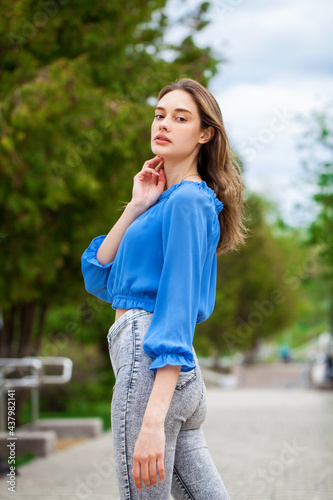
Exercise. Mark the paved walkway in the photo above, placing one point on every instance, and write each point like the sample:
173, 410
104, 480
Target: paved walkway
268, 444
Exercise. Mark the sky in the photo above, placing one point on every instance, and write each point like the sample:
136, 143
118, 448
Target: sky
280, 67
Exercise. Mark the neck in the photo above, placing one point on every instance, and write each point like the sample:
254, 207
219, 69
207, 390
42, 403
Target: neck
175, 171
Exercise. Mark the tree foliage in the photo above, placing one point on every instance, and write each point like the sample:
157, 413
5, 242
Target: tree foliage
76, 85
317, 143
75, 110
254, 298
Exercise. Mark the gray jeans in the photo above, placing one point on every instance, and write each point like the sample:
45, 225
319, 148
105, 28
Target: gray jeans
190, 472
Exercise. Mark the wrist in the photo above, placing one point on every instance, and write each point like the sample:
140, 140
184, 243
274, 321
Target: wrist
152, 424
153, 420
135, 207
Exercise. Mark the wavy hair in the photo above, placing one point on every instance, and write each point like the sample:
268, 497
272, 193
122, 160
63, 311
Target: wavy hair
217, 165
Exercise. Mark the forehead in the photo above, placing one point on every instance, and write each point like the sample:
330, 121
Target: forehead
178, 99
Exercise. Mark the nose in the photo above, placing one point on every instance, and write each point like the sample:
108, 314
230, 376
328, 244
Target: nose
163, 124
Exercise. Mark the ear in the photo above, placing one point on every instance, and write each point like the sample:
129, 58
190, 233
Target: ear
206, 135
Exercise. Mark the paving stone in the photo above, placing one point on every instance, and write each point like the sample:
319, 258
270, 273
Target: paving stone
272, 444
268, 444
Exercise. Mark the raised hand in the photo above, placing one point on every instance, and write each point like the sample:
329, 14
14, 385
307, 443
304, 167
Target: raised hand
149, 183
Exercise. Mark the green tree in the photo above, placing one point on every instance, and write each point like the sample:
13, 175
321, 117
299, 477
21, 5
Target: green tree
254, 300
75, 103
317, 143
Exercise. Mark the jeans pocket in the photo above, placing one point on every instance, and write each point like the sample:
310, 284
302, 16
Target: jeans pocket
121, 348
186, 378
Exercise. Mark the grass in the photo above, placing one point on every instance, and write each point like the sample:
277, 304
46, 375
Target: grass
78, 409
24, 459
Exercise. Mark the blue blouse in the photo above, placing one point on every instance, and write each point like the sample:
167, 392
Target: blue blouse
166, 263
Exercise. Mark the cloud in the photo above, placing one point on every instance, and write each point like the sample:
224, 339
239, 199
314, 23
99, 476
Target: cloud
279, 63
293, 38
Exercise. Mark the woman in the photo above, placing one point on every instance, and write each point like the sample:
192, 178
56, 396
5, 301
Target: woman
157, 266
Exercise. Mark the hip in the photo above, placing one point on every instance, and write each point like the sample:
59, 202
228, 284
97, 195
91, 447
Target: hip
125, 338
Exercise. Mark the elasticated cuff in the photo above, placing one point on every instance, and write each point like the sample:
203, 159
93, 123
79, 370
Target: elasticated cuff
90, 253
174, 360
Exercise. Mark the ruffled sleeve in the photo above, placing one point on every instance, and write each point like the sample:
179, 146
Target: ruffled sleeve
185, 226
95, 274
218, 205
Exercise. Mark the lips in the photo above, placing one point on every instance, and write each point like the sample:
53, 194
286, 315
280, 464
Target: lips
162, 138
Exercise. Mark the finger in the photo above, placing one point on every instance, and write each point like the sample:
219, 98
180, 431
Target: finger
151, 171
161, 171
160, 467
154, 161
136, 474
152, 470
160, 166
161, 179
145, 473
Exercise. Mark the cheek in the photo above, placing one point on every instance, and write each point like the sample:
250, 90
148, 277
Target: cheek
153, 129
188, 138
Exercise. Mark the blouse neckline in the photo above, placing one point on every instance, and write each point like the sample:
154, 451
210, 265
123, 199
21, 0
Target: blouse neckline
202, 185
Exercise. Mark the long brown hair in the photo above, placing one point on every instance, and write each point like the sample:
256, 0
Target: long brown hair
217, 165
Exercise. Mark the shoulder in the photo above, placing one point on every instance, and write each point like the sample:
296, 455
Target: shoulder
192, 198
192, 208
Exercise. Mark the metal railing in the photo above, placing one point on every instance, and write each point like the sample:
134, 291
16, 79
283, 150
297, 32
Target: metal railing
32, 381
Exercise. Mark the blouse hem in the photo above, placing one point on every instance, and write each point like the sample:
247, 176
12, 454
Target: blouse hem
126, 302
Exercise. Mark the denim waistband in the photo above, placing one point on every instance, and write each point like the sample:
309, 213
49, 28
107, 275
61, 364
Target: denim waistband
125, 318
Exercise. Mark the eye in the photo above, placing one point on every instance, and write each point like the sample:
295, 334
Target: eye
181, 119
158, 116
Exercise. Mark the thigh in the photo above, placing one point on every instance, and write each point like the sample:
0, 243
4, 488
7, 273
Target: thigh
195, 475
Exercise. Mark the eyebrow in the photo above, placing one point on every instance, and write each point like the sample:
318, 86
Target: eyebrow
184, 110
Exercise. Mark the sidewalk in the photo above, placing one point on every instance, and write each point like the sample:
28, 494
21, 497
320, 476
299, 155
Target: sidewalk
267, 444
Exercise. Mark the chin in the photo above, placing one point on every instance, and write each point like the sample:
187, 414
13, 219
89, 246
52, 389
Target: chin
157, 150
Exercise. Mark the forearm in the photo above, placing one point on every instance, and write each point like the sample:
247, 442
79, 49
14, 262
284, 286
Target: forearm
161, 395
108, 249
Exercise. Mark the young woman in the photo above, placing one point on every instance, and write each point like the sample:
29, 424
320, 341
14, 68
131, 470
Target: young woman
157, 266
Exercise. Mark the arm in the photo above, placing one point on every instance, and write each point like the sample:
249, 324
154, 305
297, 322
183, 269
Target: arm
169, 337
149, 447
97, 260
145, 193
108, 249
185, 234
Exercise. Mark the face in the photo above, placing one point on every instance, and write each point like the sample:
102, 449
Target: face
176, 130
